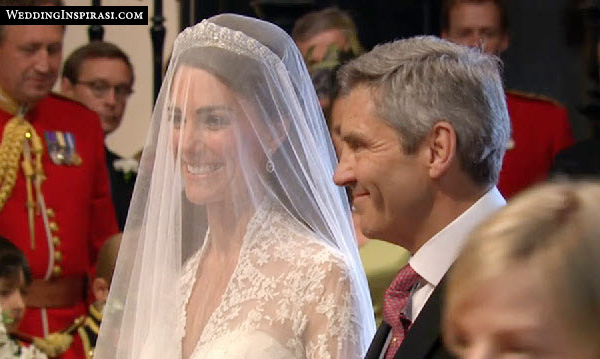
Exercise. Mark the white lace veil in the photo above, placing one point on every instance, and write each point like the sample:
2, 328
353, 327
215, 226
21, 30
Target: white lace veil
237, 126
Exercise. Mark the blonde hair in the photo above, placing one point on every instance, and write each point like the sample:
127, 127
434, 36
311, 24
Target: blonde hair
554, 229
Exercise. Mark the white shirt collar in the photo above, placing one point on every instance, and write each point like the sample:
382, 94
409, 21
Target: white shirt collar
436, 256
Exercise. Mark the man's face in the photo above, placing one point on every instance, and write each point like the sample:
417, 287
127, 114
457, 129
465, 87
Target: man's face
321, 42
29, 61
476, 24
390, 189
104, 85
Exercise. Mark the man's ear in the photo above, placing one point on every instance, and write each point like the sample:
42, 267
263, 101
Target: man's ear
66, 87
100, 289
442, 144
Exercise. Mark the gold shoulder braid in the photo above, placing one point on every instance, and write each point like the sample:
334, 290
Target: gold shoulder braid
19, 137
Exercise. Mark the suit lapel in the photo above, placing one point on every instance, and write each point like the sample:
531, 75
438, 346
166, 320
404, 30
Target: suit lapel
378, 341
425, 334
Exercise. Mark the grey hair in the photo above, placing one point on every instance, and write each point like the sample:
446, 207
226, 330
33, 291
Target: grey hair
420, 81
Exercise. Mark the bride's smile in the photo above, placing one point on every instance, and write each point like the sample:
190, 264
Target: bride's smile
211, 127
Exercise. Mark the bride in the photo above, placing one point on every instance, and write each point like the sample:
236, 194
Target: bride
238, 244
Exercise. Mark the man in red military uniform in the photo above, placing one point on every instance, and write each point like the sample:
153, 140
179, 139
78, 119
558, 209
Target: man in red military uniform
55, 199
540, 127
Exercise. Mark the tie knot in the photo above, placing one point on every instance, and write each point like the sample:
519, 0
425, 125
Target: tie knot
405, 280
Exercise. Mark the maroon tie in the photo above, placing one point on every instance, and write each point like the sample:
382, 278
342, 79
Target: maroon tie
395, 300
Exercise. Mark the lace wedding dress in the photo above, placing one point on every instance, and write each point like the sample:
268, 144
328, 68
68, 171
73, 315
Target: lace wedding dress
237, 132
284, 300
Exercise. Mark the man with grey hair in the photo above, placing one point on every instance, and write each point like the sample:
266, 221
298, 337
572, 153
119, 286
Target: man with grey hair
421, 125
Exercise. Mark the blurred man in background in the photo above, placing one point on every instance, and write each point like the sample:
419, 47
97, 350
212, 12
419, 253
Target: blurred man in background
540, 127
100, 76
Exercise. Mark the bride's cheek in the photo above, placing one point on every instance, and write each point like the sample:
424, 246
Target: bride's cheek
175, 137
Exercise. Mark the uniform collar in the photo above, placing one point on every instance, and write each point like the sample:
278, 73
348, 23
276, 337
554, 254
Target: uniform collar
436, 256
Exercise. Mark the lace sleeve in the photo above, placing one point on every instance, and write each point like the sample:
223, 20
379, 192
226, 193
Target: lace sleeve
333, 328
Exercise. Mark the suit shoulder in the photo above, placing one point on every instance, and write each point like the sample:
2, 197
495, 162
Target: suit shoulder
111, 156
533, 99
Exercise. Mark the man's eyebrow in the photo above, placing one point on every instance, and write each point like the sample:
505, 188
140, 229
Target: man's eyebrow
95, 78
30, 44
351, 136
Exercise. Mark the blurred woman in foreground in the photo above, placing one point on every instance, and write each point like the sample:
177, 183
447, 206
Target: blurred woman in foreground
527, 284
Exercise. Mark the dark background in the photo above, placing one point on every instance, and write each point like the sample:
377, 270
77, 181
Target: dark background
546, 55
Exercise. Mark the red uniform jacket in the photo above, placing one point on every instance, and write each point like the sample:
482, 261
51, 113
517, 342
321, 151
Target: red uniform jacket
80, 199
540, 129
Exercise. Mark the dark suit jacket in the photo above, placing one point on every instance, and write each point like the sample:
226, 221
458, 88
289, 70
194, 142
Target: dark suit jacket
121, 188
423, 340
579, 161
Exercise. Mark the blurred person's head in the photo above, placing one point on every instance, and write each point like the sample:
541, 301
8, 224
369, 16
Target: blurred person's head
319, 32
527, 283
15, 277
31, 56
323, 75
107, 259
100, 76
476, 23
422, 122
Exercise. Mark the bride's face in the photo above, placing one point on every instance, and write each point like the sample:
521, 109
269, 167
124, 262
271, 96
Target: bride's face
214, 130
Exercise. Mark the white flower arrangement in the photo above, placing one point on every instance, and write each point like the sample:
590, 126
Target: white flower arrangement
9, 349
128, 166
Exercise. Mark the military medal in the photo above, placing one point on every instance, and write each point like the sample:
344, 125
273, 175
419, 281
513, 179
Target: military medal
53, 147
72, 157
61, 148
